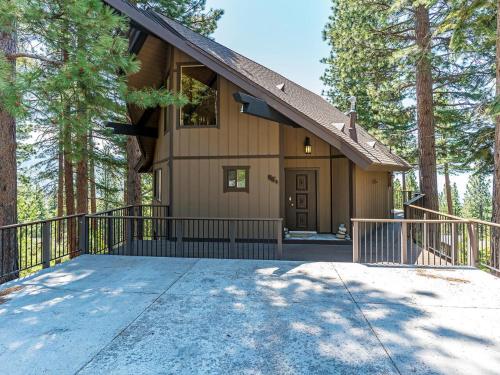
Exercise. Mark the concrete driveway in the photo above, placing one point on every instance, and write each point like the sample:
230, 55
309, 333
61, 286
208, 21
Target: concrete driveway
134, 315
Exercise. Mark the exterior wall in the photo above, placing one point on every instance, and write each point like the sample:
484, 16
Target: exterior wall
319, 160
199, 155
340, 192
192, 161
372, 194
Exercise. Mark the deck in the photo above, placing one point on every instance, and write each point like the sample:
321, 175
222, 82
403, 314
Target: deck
148, 315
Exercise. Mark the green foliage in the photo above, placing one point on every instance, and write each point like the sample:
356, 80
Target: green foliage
478, 198
191, 13
32, 201
374, 55
71, 78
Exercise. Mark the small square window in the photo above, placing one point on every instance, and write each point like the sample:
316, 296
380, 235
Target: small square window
236, 179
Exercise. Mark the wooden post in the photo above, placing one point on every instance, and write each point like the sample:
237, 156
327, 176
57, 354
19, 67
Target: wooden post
110, 232
280, 240
140, 223
355, 242
472, 245
84, 235
453, 244
424, 240
232, 239
46, 244
130, 236
179, 246
404, 242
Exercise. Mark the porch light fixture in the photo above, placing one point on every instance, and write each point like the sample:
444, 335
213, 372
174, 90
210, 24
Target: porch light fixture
307, 146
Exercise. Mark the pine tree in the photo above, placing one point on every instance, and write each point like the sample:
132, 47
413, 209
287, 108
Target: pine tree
393, 54
477, 199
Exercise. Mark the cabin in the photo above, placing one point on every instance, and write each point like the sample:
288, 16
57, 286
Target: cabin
250, 143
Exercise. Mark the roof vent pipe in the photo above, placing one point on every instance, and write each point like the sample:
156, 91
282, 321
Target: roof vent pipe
352, 119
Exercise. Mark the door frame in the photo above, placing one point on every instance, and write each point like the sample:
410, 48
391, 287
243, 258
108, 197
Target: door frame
298, 169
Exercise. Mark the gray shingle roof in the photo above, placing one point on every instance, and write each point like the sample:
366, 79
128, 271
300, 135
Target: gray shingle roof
313, 106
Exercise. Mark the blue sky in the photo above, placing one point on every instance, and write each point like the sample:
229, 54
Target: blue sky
284, 35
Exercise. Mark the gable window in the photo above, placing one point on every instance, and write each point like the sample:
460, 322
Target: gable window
157, 185
199, 85
236, 179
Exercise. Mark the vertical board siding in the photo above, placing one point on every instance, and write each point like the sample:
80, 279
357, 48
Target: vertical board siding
340, 193
372, 194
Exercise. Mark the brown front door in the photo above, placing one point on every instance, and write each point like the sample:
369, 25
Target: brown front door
300, 195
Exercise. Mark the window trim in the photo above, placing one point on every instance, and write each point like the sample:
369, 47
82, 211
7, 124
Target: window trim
180, 65
157, 184
225, 181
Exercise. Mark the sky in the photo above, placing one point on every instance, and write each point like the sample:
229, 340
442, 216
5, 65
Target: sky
285, 36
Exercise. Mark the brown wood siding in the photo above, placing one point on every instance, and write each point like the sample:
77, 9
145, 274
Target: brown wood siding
372, 194
340, 193
239, 140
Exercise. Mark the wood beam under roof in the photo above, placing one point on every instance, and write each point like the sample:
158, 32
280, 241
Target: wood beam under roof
257, 107
129, 129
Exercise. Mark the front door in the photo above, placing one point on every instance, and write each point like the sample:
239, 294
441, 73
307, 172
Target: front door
300, 195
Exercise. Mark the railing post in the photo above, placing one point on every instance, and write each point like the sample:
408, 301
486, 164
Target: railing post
179, 246
83, 239
472, 245
453, 244
355, 242
130, 235
404, 242
46, 244
140, 223
232, 239
110, 232
279, 238
424, 240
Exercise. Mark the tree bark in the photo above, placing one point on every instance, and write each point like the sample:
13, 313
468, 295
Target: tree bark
495, 254
60, 182
447, 185
69, 190
82, 178
425, 110
93, 198
134, 194
8, 178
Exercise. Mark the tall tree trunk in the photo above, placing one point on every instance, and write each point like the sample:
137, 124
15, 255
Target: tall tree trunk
425, 111
93, 201
447, 186
82, 178
60, 182
69, 190
495, 253
134, 195
8, 180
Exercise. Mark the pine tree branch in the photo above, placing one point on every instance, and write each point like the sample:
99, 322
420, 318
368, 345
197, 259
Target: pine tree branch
20, 55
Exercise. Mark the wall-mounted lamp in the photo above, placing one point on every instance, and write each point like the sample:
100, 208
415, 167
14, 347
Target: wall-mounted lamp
307, 146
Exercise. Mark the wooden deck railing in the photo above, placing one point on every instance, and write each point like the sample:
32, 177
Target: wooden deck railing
427, 237
442, 242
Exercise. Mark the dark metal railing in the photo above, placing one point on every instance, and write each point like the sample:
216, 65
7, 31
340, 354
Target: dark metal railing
225, 238
28, 247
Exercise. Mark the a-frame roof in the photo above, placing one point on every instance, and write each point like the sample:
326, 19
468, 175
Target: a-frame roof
300, 105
